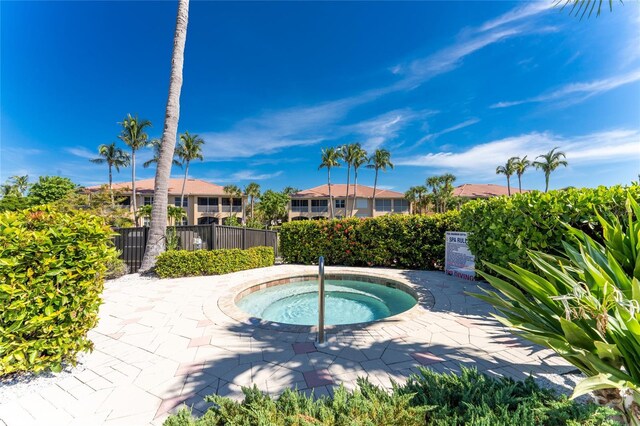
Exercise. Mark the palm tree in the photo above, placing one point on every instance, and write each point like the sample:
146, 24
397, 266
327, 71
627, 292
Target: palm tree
290, 190
156, 240
417, 196
359, 159
435, 183
330, 158
134, 135
446, 191
348, 153
551, 161
155, 144
235, 192
380, 160
114, 157
583, 5
253, 191
189, 149
508, 170
521, 165
20, 184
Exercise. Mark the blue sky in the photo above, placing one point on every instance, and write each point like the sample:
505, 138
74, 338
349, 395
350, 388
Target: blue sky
446, 86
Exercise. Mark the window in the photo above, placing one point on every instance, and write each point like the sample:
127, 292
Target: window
383, 205
400, 205
207, 204
182, 222
319, 206
185, 202
299, 205
362, 203
125, 201
339, 204
148, 200
237, 205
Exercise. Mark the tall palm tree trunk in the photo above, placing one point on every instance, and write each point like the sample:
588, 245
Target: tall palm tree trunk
184, 182
113, 202
520, 183
346, 203
546, 181
375, 186
156, 241
508, 185
134, 204
330, 197
252, 204
355, 190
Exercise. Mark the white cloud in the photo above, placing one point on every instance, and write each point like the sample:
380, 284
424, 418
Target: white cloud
82, 152
577, 92
432, 136
481, 160
530, 9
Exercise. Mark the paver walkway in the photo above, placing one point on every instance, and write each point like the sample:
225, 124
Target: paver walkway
162, 343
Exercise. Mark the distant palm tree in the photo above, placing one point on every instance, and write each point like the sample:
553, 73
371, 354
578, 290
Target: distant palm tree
521, 165
551, 161
380, 160
235, 192
418, 198
156, 144
115, 158
349, 153
330, 158
20, 184
253, 191
289, 190
359, 159
134, 135
189, 149
158, 228
508, 170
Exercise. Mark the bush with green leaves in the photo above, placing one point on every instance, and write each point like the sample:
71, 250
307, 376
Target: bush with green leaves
116, 268
502, 229
407, 241
52, 268
585, 305
183, 263
428, 398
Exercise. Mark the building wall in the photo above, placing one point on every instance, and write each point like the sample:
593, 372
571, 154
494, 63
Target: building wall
363, 208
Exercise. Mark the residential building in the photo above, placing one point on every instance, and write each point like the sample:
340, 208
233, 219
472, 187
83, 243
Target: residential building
483, 190
313, 203
204, 202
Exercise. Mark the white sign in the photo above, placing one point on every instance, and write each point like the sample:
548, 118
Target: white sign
458, 259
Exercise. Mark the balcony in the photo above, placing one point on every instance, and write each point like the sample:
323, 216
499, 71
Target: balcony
319, 209
208, 209
228, 209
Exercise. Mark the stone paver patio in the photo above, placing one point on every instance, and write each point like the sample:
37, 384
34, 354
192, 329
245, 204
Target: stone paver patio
164, 343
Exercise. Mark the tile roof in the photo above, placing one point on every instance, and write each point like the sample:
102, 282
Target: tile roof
483, 190
340, 190
192, 187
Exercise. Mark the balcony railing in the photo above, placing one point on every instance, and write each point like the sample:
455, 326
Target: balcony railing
302, 209
319, 209
228, 209
208, 209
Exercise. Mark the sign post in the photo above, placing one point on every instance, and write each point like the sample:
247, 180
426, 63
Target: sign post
458, 259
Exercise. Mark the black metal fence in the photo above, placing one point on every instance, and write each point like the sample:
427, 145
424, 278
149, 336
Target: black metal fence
132, 242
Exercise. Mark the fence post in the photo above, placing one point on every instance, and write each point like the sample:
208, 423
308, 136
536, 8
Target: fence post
265, 237
244, 238
211, 234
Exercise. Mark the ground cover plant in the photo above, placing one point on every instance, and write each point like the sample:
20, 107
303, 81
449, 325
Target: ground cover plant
502, 229
409, 241
428, 398
585, 305
183, 263
52, 268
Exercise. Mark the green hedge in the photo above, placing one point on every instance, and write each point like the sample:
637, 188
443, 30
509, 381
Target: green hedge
503, 228
182, 263
414, 241
52, 267
427, 399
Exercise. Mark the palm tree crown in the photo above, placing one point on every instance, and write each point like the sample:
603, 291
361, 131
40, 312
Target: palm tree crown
156, 144
20, 183
189, 149
253, 191
521, 165
550, 161
360, 157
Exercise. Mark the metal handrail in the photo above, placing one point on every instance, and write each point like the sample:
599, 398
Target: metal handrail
321, 299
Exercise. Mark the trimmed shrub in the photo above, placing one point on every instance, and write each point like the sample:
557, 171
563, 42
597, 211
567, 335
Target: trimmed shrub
504, 228
414, 241
52, 269
428, 398
183, 263
116, 268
